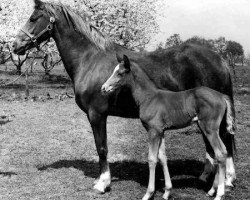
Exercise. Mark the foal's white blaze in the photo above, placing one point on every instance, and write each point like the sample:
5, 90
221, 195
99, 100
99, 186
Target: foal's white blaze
107, 85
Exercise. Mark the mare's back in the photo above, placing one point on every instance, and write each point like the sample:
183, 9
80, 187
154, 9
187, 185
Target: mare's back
184, 67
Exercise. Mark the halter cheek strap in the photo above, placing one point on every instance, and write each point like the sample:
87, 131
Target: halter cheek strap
48, 28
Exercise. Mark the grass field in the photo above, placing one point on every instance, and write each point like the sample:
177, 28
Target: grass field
47, 148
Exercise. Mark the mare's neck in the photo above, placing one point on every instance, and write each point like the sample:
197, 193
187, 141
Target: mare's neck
73, 48
143, 89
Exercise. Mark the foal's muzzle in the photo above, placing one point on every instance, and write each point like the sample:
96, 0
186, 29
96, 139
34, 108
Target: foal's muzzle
106, 89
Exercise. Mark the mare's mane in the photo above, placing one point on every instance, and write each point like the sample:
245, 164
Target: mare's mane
80, 24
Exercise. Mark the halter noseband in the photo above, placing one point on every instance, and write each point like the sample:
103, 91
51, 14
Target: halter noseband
48, 28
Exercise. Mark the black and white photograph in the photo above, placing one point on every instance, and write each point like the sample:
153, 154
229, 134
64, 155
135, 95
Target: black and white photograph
124, 99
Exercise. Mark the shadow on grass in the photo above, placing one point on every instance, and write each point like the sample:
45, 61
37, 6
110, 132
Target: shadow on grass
55, 79
2, 122
138, 171
9, 174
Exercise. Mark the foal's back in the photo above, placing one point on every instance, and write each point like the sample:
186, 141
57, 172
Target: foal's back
179, 109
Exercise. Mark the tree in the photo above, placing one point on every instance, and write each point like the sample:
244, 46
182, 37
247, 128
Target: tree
220, 46
200, 41
173, 40
234, 48
128, 22
51, 57
234, 51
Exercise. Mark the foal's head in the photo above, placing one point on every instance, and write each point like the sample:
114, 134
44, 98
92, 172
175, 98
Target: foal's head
120, 76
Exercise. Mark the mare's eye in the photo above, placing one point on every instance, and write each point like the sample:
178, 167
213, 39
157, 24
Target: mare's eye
35, 18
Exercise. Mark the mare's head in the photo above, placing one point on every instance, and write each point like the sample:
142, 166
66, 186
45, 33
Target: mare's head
120, 76
37, 29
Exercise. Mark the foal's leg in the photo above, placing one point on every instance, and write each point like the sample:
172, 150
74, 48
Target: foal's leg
163, 159
98, 124
154, 142
209, 167
220, 152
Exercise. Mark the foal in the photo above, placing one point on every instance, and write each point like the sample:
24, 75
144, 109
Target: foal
161, 110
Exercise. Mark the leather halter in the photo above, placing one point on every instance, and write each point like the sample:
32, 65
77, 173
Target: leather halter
48, 28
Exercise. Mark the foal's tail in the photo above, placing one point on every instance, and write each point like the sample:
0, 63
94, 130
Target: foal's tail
230, 119
230, 127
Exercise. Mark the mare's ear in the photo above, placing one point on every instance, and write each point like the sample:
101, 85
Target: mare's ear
119, 58
126, 62
38, 4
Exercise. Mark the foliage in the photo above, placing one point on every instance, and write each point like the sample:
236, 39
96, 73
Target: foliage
200, 41
12, 16
220, 45
173, 40
129, 22
234, 48
230, 50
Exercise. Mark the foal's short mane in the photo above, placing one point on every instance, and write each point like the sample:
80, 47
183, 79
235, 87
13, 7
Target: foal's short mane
80, 24
141, 76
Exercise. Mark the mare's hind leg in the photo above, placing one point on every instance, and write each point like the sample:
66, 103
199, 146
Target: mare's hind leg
211, 131
163, 159
98, 124
154, 143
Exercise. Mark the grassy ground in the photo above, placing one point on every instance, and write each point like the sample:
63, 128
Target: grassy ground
47, 148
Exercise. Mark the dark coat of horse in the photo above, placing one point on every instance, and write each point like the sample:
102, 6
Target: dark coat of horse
89, 58
162, 110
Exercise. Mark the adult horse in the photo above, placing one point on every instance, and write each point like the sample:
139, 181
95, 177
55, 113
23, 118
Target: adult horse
89, 59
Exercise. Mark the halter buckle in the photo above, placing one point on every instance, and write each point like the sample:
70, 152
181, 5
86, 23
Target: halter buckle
33, 39
52, 19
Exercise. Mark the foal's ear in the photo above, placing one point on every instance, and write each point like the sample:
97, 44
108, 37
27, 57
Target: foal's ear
38, 4
119, 58
126, 62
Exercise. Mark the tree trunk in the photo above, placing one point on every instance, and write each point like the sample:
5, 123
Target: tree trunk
19, 69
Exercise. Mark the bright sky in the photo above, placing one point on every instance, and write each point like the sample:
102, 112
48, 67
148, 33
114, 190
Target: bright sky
208, 18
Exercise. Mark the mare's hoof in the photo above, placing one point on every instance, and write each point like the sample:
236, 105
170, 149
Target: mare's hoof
229, 188
101, 187
166, 195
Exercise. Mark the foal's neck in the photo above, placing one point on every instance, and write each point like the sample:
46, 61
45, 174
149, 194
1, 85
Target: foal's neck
143, 89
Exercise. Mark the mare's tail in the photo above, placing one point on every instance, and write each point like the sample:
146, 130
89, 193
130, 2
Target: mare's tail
230, 124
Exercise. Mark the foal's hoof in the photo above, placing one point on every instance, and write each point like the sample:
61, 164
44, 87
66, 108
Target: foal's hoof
147, 196
218, 198
211, 192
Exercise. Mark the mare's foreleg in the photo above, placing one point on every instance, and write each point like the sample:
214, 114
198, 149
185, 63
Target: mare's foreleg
98, 123
154, 143
163, 159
